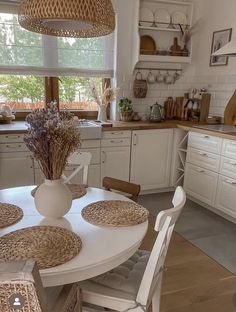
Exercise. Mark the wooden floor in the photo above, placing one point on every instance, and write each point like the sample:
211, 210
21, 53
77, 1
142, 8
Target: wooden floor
193, 282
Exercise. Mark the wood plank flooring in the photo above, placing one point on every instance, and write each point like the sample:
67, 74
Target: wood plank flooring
193, 282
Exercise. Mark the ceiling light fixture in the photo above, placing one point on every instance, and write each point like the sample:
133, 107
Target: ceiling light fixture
227, 50
68, 18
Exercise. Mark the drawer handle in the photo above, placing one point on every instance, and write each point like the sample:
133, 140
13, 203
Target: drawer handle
206, 137
112, 141
200, 170
135, 140
232, 163
12, 136
202, 154
117, 133
12, 146
230, 182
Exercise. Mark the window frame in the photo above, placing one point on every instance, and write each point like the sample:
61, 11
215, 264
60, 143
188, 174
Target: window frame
51, 91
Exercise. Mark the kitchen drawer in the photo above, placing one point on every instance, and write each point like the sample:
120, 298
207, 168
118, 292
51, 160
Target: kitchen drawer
90, 144
13, 147
5, 138
116, 134
226, 196
200, 184
205, 142
203, 159
115, 142
229, 149
228, 167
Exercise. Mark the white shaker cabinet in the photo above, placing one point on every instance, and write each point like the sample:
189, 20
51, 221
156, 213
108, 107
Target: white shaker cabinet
15, 162
115, 154
151, 158
200, 183
203, 162
226, 198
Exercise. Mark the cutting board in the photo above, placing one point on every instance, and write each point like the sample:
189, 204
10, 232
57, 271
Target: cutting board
230, 111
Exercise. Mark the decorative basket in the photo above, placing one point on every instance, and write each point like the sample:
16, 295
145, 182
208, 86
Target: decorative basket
140, 86
126, 116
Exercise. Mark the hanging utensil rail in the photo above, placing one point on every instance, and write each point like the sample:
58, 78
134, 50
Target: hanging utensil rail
148, 68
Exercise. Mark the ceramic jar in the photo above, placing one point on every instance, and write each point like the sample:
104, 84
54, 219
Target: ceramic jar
53, 199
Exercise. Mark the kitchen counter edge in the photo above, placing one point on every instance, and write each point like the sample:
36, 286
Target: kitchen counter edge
20, 127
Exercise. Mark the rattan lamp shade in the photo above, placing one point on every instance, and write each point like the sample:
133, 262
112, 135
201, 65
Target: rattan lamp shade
68, 18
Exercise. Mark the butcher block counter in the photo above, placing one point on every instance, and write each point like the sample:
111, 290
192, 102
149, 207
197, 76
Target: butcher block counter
21, 127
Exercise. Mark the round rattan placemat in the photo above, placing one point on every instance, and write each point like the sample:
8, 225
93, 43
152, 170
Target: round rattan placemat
49, 246
9, 214
77, 190
114, 213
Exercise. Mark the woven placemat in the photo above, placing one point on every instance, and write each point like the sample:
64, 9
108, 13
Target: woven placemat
77, 190
114, 213
9, 214
49, 246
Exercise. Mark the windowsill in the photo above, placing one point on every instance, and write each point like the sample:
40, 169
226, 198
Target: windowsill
21, 115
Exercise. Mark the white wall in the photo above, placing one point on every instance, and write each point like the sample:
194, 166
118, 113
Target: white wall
220, 81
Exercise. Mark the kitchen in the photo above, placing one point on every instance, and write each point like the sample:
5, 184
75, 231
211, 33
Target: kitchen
120, 141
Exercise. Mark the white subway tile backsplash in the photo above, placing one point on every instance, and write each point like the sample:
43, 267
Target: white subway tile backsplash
221, 88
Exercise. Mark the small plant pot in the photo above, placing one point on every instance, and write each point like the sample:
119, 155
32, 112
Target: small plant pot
126, 116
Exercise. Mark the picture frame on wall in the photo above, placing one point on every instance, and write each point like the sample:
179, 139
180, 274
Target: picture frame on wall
219, 39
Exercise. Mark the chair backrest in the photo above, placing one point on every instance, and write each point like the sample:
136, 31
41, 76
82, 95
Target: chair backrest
82, 160
165, 222
21, 287
122, 186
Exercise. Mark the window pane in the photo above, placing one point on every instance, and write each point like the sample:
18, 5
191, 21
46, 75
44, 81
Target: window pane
74, 92
18, 46
22, 92
86, 53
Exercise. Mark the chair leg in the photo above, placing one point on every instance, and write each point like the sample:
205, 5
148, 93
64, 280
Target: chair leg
156, 298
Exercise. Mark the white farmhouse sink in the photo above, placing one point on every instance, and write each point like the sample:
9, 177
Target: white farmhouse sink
90, 130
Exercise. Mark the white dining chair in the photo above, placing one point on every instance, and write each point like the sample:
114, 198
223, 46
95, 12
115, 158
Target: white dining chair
21, 290
136, 283
81, 160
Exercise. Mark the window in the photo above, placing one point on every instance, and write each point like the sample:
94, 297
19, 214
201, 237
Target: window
26, 58
22, 92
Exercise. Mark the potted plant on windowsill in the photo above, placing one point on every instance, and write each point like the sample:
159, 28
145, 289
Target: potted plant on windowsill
125, 109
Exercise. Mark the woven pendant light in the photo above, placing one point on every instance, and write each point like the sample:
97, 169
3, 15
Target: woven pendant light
68, 18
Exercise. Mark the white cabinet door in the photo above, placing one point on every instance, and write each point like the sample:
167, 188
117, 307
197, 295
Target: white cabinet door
151, 158
226, 196
16, 170
115, 162
200, 184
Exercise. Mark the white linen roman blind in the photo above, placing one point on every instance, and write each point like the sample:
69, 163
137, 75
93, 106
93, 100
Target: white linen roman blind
24, 52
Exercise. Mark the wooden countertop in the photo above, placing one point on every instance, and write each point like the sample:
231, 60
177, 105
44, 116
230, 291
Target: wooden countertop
20, 127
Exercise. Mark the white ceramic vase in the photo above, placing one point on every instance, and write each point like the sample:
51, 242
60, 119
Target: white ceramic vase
102, 113
53, 199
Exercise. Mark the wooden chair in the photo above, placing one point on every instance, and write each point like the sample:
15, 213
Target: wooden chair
121, 186
136, 283
82, 161
21, 290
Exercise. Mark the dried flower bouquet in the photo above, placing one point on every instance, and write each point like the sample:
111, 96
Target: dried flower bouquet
103, 99
51, 137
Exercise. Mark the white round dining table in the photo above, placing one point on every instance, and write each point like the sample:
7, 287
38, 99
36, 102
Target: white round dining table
103, 248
